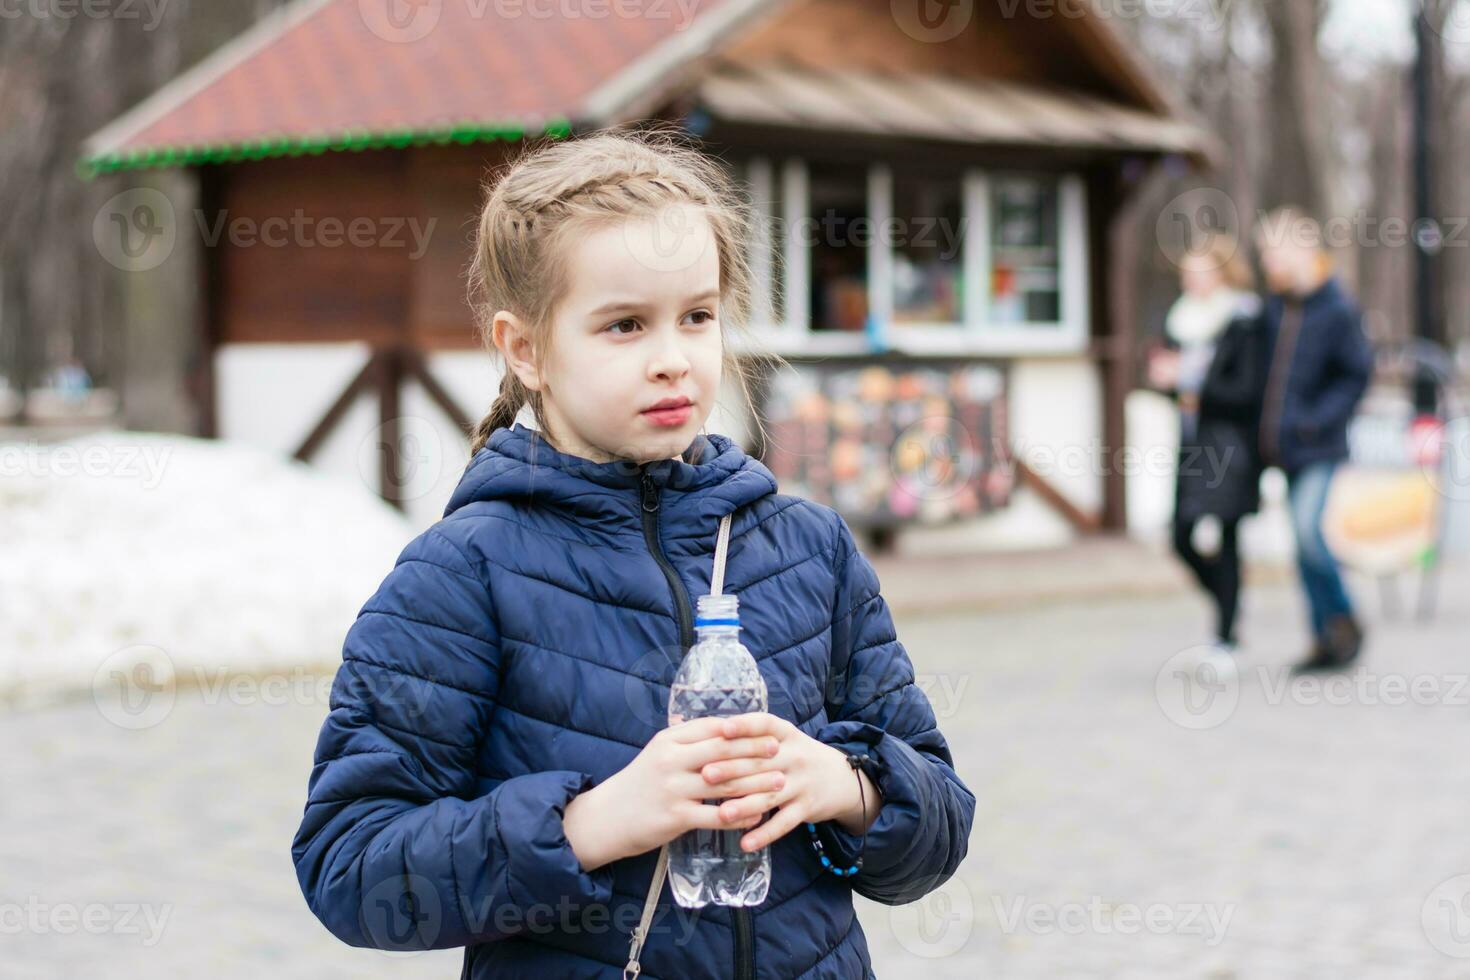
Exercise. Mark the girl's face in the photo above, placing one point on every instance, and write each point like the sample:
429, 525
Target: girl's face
637, 327
1199, 275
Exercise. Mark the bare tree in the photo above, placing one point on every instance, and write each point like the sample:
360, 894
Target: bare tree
61, 78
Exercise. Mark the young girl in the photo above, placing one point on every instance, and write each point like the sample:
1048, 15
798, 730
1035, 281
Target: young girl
497, 771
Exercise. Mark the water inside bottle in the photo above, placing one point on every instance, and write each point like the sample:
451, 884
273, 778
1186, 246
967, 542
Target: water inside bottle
718, 677
709, 865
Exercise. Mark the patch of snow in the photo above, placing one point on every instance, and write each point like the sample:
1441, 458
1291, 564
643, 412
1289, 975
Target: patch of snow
125, 548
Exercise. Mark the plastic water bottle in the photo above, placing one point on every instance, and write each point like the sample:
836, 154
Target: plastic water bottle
717, 677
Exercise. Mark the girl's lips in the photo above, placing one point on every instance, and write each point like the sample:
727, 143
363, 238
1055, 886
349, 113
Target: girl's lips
669, 417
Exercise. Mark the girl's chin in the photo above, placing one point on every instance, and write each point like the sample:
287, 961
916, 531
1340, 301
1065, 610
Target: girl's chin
666, 443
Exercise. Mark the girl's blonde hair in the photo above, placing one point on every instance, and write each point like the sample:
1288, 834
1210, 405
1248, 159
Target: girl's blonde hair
537, 203
1224, 253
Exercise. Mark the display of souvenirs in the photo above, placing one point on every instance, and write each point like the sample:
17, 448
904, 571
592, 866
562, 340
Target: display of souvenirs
891, 444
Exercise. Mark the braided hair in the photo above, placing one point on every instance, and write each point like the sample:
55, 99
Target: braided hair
559, 188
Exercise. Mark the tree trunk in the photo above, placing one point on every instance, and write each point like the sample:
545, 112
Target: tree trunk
1298, 136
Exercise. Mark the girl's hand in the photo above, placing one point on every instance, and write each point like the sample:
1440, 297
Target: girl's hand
660, 794
819, 784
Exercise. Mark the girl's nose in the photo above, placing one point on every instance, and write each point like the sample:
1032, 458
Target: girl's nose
669, 361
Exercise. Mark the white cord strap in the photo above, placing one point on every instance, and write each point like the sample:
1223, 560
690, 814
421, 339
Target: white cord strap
722, 544
660, 870
640, 934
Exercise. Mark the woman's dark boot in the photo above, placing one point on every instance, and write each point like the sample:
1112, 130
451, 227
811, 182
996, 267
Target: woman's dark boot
1345, 637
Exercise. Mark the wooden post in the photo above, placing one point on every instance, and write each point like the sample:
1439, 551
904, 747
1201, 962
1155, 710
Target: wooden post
390, 462
1114, 254
386, 371
324, 426
201, 381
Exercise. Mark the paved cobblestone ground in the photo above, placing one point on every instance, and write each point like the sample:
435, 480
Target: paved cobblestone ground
1137, 818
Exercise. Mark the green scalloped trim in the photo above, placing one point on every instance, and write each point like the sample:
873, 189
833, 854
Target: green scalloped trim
350, 141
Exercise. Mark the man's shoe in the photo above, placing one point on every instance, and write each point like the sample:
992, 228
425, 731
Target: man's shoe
1338, 646
1317, 661
1344, 638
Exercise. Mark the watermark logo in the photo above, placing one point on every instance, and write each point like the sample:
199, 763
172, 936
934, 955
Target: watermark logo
143, 464
932, 21
1198, 688
643, 692
1445, 917
934, 458
65, 10
1097, 917
404, 456
672, 239
300, 230
136, 230
402, 915
40, 918
400, 21
1189, 226
1454, 27
1366, 688
937, 925
135, 687
1444, 454
1210, 13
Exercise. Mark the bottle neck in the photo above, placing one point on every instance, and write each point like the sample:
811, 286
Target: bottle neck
716, 632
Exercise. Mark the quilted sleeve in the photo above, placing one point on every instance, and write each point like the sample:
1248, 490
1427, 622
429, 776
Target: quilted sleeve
1349, 370
922, 830
396, 849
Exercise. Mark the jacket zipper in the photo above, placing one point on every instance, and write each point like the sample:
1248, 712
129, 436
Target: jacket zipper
685, 615
744, 937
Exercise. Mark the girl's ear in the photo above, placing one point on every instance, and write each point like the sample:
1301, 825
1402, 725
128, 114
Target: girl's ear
513, 338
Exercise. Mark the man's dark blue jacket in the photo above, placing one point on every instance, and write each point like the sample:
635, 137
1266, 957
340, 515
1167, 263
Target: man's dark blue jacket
1329, 369
521, 650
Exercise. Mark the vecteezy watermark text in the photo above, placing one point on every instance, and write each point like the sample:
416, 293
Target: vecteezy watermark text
38, 917
1097, 917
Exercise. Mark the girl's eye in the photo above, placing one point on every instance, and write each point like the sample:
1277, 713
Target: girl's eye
618, 323
705, 316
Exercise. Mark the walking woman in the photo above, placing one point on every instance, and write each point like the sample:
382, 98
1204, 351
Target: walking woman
1215, 366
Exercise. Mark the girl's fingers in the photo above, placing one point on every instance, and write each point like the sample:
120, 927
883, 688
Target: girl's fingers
691, 786
756, 723
773, 830
701, 754
727, 769
764, 782
695, 729
752, 805
705, 817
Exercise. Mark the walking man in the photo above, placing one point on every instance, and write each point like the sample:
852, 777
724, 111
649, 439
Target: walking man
1319, 365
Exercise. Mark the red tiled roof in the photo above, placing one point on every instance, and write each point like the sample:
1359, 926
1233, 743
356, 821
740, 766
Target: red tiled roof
342, 74
325, 71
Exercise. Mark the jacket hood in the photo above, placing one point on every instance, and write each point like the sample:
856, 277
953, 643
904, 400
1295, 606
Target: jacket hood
712, 478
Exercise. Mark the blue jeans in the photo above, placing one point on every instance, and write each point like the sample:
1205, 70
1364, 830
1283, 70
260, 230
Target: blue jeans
1327, 597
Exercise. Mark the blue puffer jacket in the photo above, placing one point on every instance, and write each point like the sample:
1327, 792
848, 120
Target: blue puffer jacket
521, 650
1320, 364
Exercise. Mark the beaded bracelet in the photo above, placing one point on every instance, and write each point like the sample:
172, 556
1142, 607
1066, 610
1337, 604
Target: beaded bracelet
856, 762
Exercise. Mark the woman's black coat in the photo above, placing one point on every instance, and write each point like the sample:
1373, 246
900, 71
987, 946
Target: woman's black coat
1220, 466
